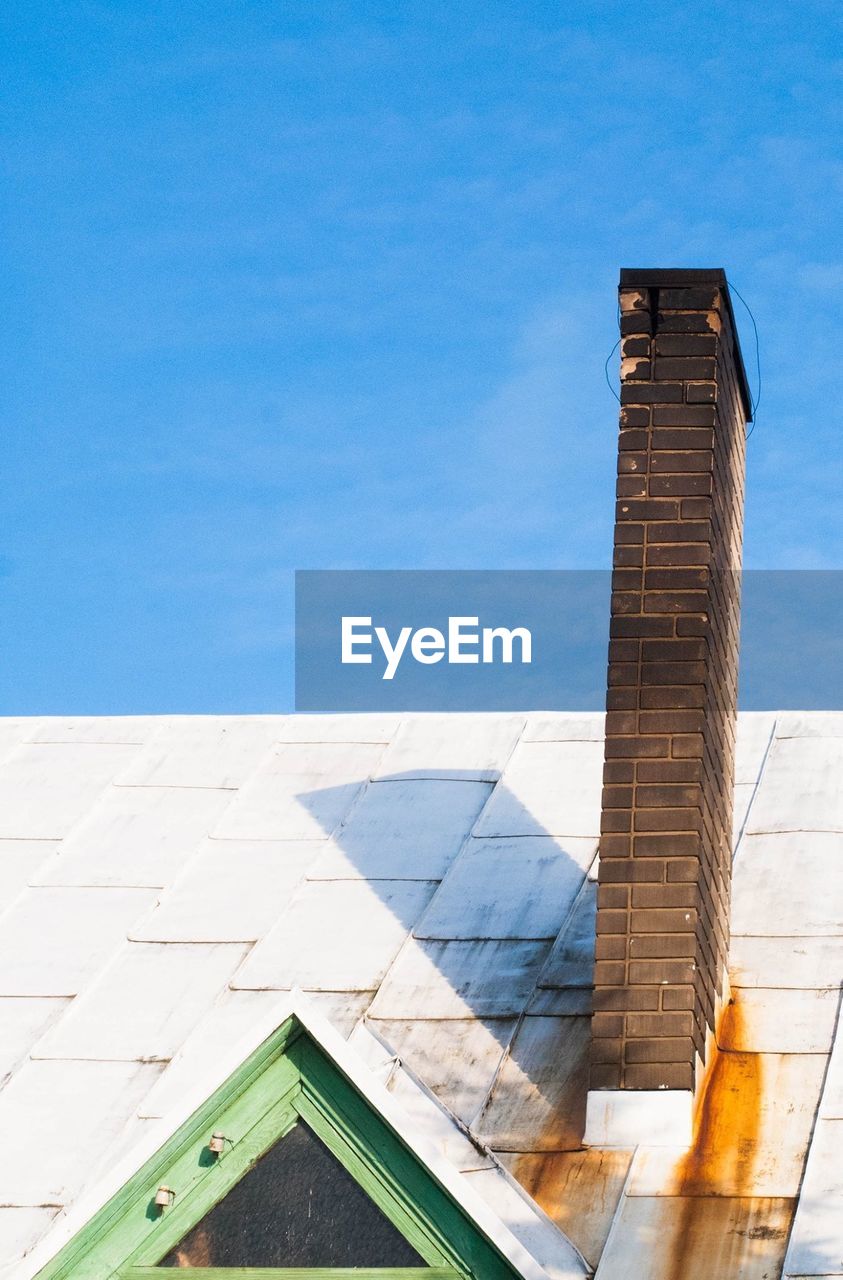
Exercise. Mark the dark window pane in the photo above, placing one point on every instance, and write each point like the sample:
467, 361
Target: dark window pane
297, 1207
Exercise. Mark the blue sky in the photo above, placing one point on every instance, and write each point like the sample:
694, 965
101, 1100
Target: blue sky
332, 285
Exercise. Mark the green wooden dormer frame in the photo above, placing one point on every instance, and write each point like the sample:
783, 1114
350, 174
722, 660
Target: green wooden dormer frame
289, 1078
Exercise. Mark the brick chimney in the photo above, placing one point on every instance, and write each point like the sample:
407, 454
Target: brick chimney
665, 848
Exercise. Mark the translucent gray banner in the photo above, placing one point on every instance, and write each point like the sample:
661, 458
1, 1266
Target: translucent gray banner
497, 640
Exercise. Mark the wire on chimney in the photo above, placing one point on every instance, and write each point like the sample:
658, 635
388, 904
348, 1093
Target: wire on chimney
756, 400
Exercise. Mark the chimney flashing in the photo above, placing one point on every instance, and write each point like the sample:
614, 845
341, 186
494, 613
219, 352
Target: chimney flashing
688, 277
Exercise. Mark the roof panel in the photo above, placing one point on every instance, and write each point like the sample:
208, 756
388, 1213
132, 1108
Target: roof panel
58, 1119
230, 891
299, 791
337, 935
697, 1238
810, 724
781, 1020
431, 1119
14, 731
455, 1059
459, 979
831, 1105
814, 963
579, 1190
548, 788
46, 788
801, 789
20, 861
134, 730
563, 726
23, 1021
144, 1004
136, 836
403, 830
52, 940
451, 746
20, 1229
753, 739
203, 751
536, 1232
538, 1100
571, 961
789, 884
815, 1245
755, 1131
359, 727
518, 887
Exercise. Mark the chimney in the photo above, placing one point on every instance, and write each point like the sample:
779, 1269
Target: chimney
665, 847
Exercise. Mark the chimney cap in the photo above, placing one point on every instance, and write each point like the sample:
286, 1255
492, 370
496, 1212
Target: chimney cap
687, 277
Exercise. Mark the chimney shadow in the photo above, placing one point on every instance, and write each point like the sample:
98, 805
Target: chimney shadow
488, 998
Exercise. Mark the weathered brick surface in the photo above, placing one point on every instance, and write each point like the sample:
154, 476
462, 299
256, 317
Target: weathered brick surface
665, 849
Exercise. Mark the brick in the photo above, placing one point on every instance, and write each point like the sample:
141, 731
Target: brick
670, 770
682, 344
695, 322
605, 1049
678, 555
618, 999
634, 417
637, 746
676, 579
696, 509
662, 1075
667, 820
640, 626
669, 367
678, 460
648, 973
610, 946
636, 322
678, 486
628, 557
701, 392
628, 870
690, 298
643, 509
652, 393
669, 697
607, 1024
681, 869
695, 650
635, 347
631, 487
678, 531
668, 439
662, 920
684, 415
659, 1049
675, 602
678, 997
634, 440
661, 946
611, 973
603, 1076
629, 534
657, 1024
635, 369
618, 771
668, 796
660, 845
672, 672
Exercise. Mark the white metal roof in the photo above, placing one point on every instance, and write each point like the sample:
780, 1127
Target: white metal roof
428, 882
